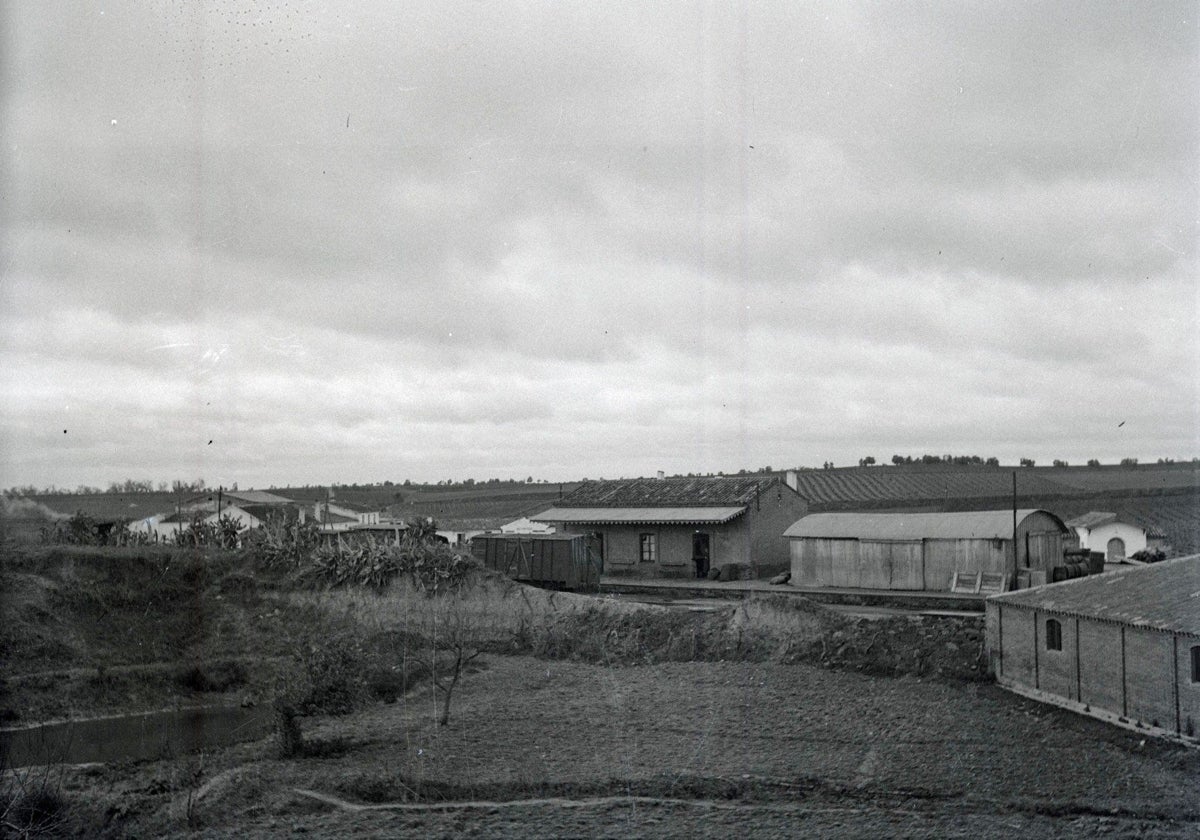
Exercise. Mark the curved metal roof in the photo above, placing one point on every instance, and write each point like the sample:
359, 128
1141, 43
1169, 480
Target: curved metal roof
975, 524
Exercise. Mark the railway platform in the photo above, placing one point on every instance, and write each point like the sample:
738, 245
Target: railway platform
676, 588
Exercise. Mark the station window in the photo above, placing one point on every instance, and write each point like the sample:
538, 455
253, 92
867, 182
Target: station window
1053, 634
649, 548
1196, 663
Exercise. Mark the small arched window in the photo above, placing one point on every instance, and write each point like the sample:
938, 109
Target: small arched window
1053, 634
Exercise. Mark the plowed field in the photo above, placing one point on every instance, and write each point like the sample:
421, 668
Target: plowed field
551, 749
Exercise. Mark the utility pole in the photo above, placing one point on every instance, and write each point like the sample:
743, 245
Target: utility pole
1014, 506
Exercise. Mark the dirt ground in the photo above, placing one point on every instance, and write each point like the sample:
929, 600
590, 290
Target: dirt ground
677, 750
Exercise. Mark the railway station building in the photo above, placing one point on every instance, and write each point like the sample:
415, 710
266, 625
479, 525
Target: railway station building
682, 527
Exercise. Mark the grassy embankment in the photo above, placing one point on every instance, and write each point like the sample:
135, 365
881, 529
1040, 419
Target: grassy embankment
99, 630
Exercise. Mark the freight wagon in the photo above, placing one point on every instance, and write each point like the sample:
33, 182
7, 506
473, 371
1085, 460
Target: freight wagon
554, 561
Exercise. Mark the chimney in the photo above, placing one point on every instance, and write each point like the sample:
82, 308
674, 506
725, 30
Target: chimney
661, 475
791, 480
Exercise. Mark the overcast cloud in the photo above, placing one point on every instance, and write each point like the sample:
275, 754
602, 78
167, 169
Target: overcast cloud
375, 240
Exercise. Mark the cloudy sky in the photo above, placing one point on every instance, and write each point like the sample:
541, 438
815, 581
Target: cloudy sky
274, 242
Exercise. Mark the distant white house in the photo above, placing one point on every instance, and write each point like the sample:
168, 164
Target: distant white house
525, 525
164, 527
251, 508
1116, 535
339, 516
156, 527
458, 535
390, 531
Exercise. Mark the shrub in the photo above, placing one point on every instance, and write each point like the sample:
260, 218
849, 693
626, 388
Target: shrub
1147, 555
332, 676
218, 676
326, 677
32, 803
429, 567
282, 542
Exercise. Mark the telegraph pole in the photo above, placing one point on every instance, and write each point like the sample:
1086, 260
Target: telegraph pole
1014, 505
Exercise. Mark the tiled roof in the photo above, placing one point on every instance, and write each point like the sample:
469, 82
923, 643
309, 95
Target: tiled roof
329, 517
253, 497
634, 516
1096, 518
1162, 596
259, 512
978, 524
357, 507
256, 497
264, 511
1092, 519
668, 492
387, 525
478, 523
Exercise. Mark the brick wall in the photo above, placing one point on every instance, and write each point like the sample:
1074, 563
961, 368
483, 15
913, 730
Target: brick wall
1100, 665
991, 636
1056, 668
1189, 692
776, 510
1151, 685
1150, 677
1018, 653
622, 547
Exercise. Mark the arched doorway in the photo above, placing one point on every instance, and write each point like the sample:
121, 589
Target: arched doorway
1116, 550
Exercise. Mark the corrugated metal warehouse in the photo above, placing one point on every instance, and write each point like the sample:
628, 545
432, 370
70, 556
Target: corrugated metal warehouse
1123, 645
682, 527
922, 551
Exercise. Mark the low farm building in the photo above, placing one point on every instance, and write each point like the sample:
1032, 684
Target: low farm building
166, 528
338, 516
924, 551
389, 531
458, 533
1116, 535
682, 527
1123, 646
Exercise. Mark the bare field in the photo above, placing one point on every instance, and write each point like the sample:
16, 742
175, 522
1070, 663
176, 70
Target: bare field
546, 749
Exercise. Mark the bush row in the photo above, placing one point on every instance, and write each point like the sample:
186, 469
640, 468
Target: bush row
429, 568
